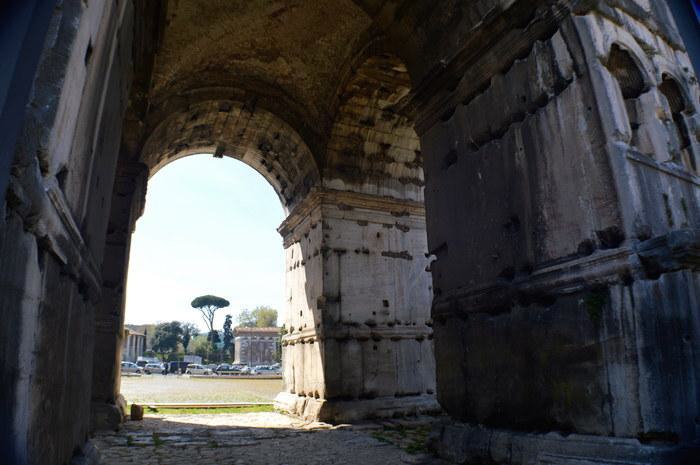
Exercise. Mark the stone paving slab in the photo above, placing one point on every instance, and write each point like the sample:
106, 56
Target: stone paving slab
258, 438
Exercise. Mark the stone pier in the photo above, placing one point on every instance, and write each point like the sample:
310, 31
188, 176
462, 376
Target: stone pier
359, 337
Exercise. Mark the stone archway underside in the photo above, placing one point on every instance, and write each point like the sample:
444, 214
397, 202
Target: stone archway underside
347, 168
228, 128
563, 212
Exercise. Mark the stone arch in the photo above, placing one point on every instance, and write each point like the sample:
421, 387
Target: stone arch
373, 147
223, 127
230, 128
546, 190
632, 83
357, 253
627, 72
678, 104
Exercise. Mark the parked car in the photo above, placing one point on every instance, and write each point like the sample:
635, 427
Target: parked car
228, 369
178, 367
267, 369
196, 369
131, 367
223, 367
275, 369
155, 368
260, 370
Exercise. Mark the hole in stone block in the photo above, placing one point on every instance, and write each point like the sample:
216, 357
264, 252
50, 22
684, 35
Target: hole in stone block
88, 53
611, 237
669, 212
61, 178
586, 247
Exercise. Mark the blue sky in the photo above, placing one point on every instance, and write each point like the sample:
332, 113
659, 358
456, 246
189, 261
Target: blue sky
209, 227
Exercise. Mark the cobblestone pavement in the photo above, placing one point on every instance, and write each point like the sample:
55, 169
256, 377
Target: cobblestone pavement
261, 438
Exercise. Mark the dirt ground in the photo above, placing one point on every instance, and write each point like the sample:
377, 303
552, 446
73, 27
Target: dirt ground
182, 388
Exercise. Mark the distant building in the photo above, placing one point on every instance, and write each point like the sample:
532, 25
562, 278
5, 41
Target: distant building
133, 345
256, 346
148, 329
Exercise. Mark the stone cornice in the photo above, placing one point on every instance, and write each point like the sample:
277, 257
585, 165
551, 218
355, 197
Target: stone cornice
504, 35
73, 253
671, 252
360, 332
347, 200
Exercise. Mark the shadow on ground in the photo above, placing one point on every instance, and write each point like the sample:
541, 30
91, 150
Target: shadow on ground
263, 438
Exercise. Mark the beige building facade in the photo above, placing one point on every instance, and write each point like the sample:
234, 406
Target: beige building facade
256, 346
133, 345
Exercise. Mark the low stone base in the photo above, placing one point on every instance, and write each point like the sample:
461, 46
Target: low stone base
104, 416
338, 411
87, 455
464, 444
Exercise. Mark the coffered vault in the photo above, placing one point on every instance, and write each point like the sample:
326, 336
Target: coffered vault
550, 146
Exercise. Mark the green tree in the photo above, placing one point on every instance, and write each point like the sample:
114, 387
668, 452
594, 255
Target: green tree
262, 316
207, 306
228, 336
245, 319
216, 345
201, 346
189, 330
166, 338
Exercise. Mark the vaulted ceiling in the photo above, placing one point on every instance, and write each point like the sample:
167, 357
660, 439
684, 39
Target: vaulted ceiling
291, 53
291, 57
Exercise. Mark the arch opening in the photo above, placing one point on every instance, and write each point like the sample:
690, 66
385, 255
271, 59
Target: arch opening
229, 128
208, 228
359, 216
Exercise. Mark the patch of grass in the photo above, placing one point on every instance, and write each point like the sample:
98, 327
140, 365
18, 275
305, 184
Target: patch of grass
399, 429
416, 447
411, 439
197, 411
157, 441
380, 437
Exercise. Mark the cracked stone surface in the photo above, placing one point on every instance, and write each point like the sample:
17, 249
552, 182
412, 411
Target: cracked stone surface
260, 438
